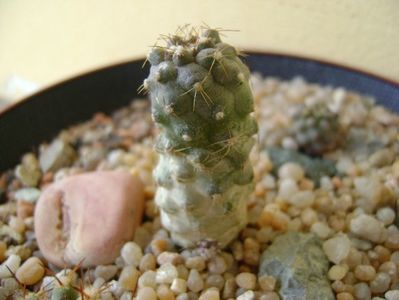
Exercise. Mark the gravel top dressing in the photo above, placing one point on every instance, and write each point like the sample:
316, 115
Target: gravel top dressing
322, 221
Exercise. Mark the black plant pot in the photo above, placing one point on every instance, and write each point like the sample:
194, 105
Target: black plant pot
41, 116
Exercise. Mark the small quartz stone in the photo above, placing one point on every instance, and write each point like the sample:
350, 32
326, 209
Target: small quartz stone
164, 293
128, 278
248, 295
195, 282
148, 278
362, 291
246, 280
367, 227
196, 262
105, 272
291, 170
179, 286
57, 155
365, 272
337, 248
337, 272
31, 271
146, 293
380, 283
11, 263
166, 273
84, 204
267, 283
210, 294
131, 254
386, 215
392, 295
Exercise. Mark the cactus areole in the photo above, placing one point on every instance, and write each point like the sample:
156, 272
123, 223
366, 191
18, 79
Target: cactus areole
201, 102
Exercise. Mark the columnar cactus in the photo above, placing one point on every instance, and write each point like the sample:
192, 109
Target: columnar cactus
201, 102
316, 129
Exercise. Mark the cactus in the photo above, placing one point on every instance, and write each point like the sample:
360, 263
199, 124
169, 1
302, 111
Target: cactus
316, 129
64, 293
201, 102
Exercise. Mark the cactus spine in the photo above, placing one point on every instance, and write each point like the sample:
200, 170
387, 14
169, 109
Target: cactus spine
201, 103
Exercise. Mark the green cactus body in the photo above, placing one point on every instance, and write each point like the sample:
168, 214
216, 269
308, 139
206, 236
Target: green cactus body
64, 293
201, 103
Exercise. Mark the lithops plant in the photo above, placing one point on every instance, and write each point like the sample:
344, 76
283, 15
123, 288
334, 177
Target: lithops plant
316, 129
202, 104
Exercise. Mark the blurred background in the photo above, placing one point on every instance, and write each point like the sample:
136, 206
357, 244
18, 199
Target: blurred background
45, 41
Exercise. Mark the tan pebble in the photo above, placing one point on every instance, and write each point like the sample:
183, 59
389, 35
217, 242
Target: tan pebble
159, 245
337, 248
105, 272
345, 296
217, 265
392, 241
164, 293
273, 216
131, 254
12, 263
195, 282
148, 278
246, 280
17, 224
147, 262
179, 286
267, 283
365, 272
128, 278
210, 294
169, 257
196, 262
229, 289
337, 272
182, 272
24, 209
380, 283
3, 249
216, 281
146, 293
31, 271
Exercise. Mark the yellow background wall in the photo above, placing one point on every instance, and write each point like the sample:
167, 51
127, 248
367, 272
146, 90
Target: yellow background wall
48, 40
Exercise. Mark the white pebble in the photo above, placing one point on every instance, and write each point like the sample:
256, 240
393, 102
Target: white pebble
321, 229
392, 295
302, 199
288, 188
13, 262
195, 282
380, 283
386, 215
166, 273
131, 254
367, 227
146, 293
337, 272
105, 272
148, 278
246, 280
362, 291
291, 170
210, 294
248, 295
337, 248
179, 286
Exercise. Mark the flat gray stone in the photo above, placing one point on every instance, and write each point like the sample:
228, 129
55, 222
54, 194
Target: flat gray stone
300, 266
